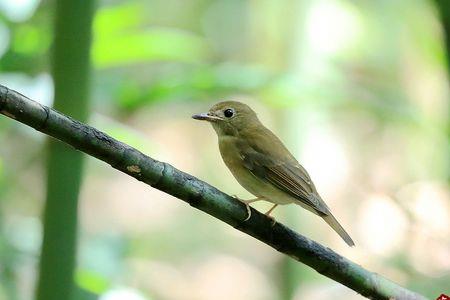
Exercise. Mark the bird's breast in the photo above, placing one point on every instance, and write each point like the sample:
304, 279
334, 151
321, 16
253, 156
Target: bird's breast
232, 157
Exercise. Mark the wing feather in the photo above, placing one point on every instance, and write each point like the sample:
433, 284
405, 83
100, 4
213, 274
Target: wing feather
292, 180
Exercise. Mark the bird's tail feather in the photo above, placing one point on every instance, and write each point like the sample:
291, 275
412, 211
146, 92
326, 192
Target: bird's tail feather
331, 220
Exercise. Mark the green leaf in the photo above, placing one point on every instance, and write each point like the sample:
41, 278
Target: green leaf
155, 44
91, 281
118, 18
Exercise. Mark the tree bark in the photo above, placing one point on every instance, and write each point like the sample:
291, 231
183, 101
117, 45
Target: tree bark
200, 195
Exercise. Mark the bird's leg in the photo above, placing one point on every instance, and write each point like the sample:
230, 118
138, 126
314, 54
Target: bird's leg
270, 211
247, 206
251, 200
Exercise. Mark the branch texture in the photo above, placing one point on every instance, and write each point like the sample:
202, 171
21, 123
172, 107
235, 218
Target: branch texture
200, 195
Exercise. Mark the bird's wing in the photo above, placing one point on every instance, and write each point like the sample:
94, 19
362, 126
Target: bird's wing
288, 176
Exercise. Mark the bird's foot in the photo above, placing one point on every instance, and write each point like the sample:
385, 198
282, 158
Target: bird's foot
273, 220
269, 216
247, 205
249, 212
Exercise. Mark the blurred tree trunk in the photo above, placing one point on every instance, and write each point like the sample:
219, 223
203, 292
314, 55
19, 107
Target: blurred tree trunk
70, 70
444, 10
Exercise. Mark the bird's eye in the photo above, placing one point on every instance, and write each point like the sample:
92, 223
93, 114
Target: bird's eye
228, 112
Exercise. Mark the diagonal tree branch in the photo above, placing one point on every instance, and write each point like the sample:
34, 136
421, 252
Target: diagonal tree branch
200, 195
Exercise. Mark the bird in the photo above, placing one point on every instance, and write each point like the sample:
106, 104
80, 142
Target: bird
262, 164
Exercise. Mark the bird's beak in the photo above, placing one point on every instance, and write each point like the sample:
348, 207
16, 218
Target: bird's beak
206, 117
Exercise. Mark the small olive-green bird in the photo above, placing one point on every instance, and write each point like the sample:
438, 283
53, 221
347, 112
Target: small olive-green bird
262, 164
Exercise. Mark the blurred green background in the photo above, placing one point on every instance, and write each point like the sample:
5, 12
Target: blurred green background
358, 90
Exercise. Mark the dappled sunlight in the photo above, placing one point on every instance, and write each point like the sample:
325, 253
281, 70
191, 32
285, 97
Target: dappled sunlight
123, 294
325, 159
325, 292
331, 25
428, 203
19, 10
432, 260
166, 281
211, 277
126, 205
382, 225
431, 208
233, 279
38, 87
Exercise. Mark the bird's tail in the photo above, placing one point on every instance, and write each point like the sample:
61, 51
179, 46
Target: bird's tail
331, 220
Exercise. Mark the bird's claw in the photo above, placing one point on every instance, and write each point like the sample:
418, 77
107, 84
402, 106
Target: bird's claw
249, 212
269, 212
247, 206
271, 218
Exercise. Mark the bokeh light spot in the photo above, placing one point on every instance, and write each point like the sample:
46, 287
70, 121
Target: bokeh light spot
331, 26
382, 224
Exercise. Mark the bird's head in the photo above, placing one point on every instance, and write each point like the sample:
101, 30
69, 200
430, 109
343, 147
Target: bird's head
229, 117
